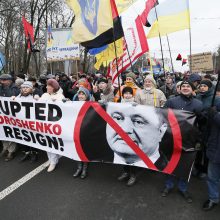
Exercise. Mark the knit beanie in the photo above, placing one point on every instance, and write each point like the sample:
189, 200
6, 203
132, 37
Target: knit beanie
151, 78
127, 89
53, 83
131, 75
188, 83
206, 82
27, 84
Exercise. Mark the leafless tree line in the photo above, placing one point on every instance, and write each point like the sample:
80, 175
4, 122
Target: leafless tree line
40, 13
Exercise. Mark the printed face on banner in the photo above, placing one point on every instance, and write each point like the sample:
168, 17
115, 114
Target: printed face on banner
90, 14
146, 129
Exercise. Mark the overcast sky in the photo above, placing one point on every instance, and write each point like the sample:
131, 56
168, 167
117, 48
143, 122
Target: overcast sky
205, 28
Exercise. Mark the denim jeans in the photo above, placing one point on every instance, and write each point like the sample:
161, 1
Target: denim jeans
182, 184
213, 181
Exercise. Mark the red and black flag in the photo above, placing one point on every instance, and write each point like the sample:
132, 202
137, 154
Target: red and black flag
184, 61
150, 4
179, 57
29, 33
116, 32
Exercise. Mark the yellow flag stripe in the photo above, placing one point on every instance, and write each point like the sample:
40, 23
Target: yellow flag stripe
169, 24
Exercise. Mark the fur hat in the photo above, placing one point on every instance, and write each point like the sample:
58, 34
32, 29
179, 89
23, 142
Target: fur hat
53, 83
151, 78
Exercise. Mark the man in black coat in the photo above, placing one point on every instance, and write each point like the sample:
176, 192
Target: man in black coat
213, 154
8, 89
185, 101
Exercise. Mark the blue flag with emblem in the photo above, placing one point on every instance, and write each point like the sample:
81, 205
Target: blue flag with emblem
92, 18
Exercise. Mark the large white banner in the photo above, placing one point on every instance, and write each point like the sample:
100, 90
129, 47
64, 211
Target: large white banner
60, 45
121, 133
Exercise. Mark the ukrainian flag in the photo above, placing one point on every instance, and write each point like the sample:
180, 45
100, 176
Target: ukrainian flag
173, 16
92, 18
109, 53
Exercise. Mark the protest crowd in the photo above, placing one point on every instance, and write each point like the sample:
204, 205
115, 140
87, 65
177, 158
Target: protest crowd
189, 92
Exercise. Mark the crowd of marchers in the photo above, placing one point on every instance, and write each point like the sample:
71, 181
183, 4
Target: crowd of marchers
190, 92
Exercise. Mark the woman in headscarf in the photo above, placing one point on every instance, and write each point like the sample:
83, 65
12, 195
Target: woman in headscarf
83, 94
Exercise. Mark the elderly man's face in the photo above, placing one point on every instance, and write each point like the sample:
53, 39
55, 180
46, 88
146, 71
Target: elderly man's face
141, 123
148, 84
5, 82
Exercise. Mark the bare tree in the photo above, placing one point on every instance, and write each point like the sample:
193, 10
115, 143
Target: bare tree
39, 13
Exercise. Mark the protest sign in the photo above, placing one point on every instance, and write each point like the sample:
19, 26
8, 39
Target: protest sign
201, 62
158, 139
60, 45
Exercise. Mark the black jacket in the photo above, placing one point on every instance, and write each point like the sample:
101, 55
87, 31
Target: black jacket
9, 91
213, 146
182, 102
168, 92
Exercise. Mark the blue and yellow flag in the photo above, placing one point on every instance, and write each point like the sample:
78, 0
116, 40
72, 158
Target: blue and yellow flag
92, 18
173, 16
109, 53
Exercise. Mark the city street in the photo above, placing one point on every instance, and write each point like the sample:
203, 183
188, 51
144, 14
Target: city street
58, 195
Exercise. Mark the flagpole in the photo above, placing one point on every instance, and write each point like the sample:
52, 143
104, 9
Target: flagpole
190, 46
161, 47
116, 56
171, 59
190, 40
